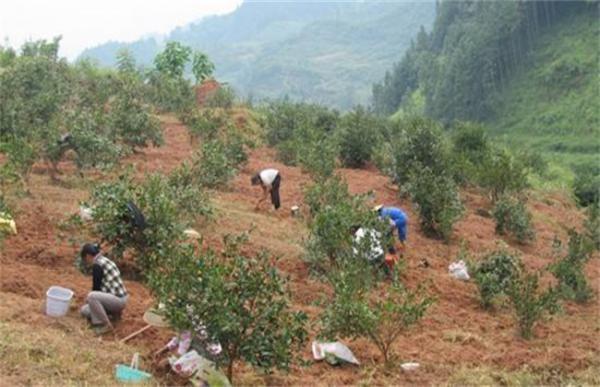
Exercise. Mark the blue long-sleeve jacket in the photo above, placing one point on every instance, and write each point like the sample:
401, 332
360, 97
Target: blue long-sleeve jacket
398, 217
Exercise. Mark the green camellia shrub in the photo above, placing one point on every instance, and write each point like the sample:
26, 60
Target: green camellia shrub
204, 124
132, 122
437, 200
493, 275
512, 217
217, 162
240, 300
529, 303
586, 186
592, 224
168, 207
358, 136
569, 270
283, 118
360, 309
502, 173
418, 144
223, 97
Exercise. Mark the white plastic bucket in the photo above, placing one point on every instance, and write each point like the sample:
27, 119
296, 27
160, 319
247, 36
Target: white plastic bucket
57, 301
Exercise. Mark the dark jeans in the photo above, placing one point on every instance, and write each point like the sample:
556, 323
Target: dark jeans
275, 192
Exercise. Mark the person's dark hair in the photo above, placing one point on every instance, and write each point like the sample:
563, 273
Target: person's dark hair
90, 249
255, 180
391, 250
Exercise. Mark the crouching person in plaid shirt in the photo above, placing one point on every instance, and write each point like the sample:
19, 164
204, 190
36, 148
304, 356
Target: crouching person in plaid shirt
108, 295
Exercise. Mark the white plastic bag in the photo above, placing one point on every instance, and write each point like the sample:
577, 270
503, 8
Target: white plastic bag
409, 366
187, 364
86, 214
333, 351
459, 270
192, 234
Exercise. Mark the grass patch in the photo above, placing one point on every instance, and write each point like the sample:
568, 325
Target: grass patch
52, 357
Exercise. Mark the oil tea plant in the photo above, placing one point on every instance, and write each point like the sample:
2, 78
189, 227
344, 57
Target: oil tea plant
166, 206
512, 217
334, 213
217, 162
493, 275
438, 201
569, 270
592, 224
529, 302
132, 122
417, 144
204, 124
502, 173
380, 314
241, 300
358, 136
326, 193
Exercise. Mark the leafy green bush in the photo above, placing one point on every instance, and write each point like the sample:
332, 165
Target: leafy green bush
334, 213
112, 220
358, 136
170, 94
283, 118
223, 97
503, 173
512, 217
202, 67
172, 60
378, 315
493, 275
20, 158
132, 122
569, 270
33, 87
204, 124
528, 302
587, 184
418, 145
325, 193
471, 147
437, 199
218, 161
168, 207
470, 139
330, 236
240, 300
316, 152
92, 145
592, 224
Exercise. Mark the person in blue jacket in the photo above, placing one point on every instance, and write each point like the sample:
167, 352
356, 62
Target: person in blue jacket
395, 216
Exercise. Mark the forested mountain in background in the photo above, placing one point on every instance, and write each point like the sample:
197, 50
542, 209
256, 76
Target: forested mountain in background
326, 52
527, 69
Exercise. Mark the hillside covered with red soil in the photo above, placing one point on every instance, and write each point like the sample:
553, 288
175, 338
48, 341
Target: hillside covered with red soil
457, 340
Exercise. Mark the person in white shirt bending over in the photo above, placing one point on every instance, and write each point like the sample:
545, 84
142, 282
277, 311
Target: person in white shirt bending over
270, 180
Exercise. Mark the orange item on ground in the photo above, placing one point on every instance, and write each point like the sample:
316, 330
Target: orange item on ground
390, 260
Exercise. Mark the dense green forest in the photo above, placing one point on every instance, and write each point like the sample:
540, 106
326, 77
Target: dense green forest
529, 70
325, 52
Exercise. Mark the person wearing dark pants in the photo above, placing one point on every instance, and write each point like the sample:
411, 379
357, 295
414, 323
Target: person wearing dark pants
108, 295
270, 181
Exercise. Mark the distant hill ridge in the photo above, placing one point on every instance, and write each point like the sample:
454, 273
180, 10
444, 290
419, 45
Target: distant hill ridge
326, 52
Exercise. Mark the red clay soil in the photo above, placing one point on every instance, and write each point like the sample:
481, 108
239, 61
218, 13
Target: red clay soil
205, 90
456, 332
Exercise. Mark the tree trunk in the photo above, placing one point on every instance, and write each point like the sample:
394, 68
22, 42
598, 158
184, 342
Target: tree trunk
230, 371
